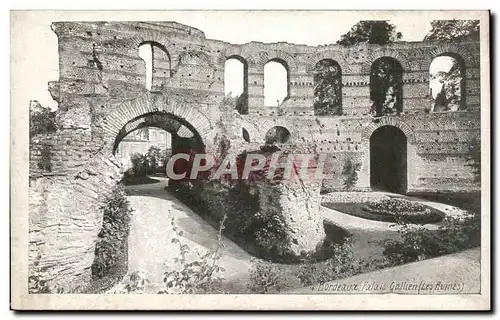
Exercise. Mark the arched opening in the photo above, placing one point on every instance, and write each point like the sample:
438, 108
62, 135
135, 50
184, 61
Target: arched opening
236, 82
158, 64
388, 164
327, 88
178, 136
277, 135
386, 86
151, 143
276, 82
447, 83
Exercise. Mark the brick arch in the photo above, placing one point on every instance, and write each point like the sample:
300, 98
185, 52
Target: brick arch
130, 110
453, 48
236, 52
386, 52
388, 121
333, 55
253, 130
263, 57
267, 124
150, 36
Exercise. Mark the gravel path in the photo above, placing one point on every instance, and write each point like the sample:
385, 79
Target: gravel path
151, 233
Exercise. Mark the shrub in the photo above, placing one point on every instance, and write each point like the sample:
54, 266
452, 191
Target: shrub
419, 243
203, 275
111, 247
138, 171
265, 278
350, 173
341, 264
134, 282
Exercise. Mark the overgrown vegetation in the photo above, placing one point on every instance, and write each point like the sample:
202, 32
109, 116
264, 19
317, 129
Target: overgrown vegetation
111, 247
371, 31
265, 278
453, 30
350, 173
419, 243
42, 120
201, 275
327, 88
151, 163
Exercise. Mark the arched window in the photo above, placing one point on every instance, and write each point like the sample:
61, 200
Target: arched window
446, 83
275, 82
158, 64
277, 134
386, 86
327, 88
236, 82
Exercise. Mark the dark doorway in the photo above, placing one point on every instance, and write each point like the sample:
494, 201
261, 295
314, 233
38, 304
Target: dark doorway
388, 160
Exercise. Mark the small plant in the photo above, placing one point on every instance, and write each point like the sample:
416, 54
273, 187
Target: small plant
134, 283
265, 278
112, 239
350, 173
202, 275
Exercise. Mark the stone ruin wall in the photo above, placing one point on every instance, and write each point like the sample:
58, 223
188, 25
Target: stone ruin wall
101, 89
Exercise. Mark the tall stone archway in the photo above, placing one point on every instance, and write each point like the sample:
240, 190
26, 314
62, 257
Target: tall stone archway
388, 160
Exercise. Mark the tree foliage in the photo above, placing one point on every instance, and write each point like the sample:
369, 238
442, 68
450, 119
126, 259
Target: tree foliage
386, 90
42, 120
327, 88
350, 173
450, 92
453, 30
371, 31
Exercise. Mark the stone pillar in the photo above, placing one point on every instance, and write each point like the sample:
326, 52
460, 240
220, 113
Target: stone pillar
298, 205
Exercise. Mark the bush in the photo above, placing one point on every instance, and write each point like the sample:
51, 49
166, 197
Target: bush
350, 173
265, 278
203, 275
111, 247
341, 264
419, 243
138, 171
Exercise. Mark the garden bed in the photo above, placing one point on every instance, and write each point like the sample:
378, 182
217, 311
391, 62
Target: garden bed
391, 210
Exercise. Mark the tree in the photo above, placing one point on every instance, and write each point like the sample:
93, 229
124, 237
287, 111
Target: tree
453, 30
152, 158
327, 88
371, 31
386, 86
